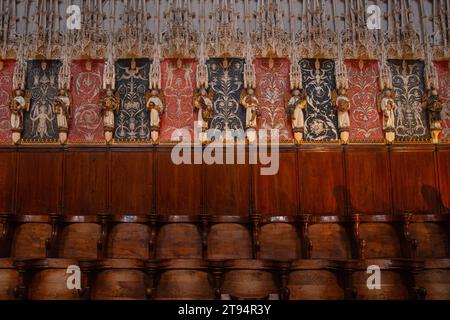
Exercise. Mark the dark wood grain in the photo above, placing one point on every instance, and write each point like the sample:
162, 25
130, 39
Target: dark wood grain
85, 188
132, 183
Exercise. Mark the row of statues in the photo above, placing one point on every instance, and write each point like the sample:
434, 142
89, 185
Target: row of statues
296, 106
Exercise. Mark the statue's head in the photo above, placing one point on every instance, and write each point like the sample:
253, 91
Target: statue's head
154, 92
434, 92
388, 92
133, 64
62, 92
296, 92
109, 91
19, 92
250, 91
203, 91
342, 91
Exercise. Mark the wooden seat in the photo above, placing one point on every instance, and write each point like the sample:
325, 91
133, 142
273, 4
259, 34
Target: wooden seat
329, 241
29, 240
314, 280
119, 279
9, 279
381, 239
249, 279
128, 241
229, 241
179, 241
79, 241
432, 240
49, 280
393, 286
279, 241
184, 279
435, 278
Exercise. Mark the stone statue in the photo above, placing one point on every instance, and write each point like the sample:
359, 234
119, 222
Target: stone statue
19, 103
156, 108
296, 106
342, 104
432, 103
62, 109
387, 105
203, 103
110, 105
251, 105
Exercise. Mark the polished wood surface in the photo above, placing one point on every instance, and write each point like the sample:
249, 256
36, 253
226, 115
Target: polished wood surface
154, 230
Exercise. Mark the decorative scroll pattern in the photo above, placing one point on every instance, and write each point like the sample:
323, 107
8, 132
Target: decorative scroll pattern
408, 81
178, 85
132, 122
319, 82
363, 89
227, 84
272, 86
86, 123
42, 82
443, 71
6, 75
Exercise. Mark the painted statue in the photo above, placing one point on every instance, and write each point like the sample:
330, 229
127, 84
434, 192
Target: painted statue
156, 108
203, 103
62, 108
433, 105
251, 105
387, 106
110, 105
19, 103
342, 104
296, 105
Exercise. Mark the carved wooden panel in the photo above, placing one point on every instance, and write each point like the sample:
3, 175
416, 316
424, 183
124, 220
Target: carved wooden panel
368, 180
179, 186
131, 183
414, 180
278, 194
322, 182
39, 182
443, 156
7, 180
227, 189
85, 188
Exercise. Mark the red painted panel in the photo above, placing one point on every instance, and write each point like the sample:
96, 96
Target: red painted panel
6, 75
363, 90
272, 84
86, 125
178, 86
